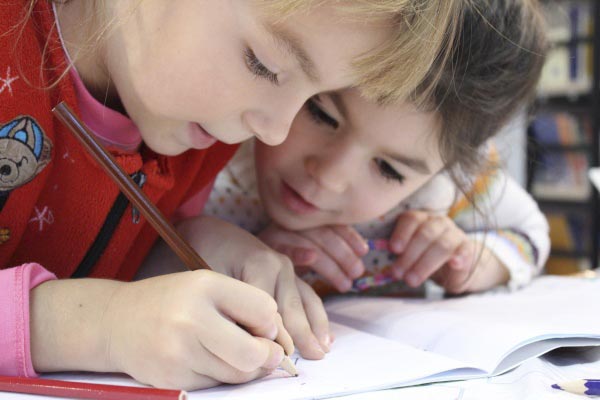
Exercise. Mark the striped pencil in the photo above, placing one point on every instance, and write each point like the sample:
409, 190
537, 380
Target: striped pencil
590, 387
80, 390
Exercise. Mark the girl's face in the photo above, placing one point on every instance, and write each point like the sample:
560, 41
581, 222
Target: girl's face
346, 161
190, 72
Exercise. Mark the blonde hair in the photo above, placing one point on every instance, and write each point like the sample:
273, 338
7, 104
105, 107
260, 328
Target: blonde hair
416, 51
413, 56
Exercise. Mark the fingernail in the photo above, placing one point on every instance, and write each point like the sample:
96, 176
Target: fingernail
397, 246
357, 269
345, 286
273, 333
274, 360
398, 273
364, 247
317, 346
325, 343
412, 279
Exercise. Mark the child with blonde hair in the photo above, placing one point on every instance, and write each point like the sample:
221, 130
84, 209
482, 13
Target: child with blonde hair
169, 87
408, 173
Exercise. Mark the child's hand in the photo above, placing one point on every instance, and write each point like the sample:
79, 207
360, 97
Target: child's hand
234, 252
193, 330
433, 246
332, 251
187, 330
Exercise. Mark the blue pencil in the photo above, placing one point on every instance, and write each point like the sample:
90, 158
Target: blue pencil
590, 387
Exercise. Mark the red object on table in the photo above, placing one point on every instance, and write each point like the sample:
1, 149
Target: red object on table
80, 390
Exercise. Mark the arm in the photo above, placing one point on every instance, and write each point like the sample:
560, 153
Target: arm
514, 229
176, 331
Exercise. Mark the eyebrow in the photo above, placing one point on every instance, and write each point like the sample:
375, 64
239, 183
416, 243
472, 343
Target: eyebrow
416, 164
293, 46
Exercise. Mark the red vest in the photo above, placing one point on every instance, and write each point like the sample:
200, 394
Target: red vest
57, 205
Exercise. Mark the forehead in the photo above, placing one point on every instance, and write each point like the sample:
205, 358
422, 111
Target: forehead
331, 38
400, 128
394, 120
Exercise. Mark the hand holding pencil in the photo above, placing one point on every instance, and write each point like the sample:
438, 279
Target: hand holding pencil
189, 330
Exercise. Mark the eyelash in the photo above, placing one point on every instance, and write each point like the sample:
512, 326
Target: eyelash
258, 68
320, 116
388, 172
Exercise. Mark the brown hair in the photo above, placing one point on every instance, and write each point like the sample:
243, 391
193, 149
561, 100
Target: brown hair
496, 61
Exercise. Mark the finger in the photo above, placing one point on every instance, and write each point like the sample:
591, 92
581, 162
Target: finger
294, 316
249, 304
301, 254
433, 258
316, 314
300, 257
353, 238
338, 249
331, 271
422, 239
459, 279
212, 370
283, 337
406, 225
236, 346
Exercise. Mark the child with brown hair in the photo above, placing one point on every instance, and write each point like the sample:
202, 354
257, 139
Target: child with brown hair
398, 171
169, 87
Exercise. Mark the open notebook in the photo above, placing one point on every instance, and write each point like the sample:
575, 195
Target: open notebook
385, 343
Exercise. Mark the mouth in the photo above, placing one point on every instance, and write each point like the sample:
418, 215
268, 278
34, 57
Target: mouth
294, 202
199, 138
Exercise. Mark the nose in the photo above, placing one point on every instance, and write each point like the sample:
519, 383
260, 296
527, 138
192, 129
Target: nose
271, 123
334, 169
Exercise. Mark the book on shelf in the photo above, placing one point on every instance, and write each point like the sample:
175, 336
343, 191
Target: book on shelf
568, 68
568, 231
561, 175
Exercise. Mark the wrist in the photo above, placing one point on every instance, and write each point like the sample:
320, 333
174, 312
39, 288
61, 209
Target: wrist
70, 325
489, 272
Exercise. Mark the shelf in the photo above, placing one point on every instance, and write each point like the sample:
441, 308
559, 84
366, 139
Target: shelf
581, 205
569, 253
572, 41
564, 100
556, 147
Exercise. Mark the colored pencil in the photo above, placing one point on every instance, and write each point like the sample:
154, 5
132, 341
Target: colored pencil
138, 198
80, 390
380, 279
589, 387
378, 244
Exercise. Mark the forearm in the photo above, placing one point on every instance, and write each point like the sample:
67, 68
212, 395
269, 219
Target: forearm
69, 325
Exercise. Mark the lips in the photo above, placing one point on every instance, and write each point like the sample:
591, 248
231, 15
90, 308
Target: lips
199, 138
295, 202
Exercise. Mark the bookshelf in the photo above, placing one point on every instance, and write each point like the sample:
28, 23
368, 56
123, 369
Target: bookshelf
563, 136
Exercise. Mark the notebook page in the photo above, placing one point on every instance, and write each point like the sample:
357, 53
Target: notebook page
480, 330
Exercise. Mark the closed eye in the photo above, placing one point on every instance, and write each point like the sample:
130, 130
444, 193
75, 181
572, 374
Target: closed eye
258, 68
388, 172
319, 115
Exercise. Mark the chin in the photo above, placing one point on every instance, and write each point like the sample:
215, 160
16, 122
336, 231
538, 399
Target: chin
292, 223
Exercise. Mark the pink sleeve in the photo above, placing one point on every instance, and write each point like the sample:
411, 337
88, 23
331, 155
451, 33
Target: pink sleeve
15, 284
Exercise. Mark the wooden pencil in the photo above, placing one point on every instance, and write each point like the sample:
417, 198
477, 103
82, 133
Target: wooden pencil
138, 198
80, 390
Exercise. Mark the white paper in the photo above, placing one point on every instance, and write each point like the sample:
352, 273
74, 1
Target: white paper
387, 343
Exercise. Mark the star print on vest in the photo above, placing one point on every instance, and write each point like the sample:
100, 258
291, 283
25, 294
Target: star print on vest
24, 152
